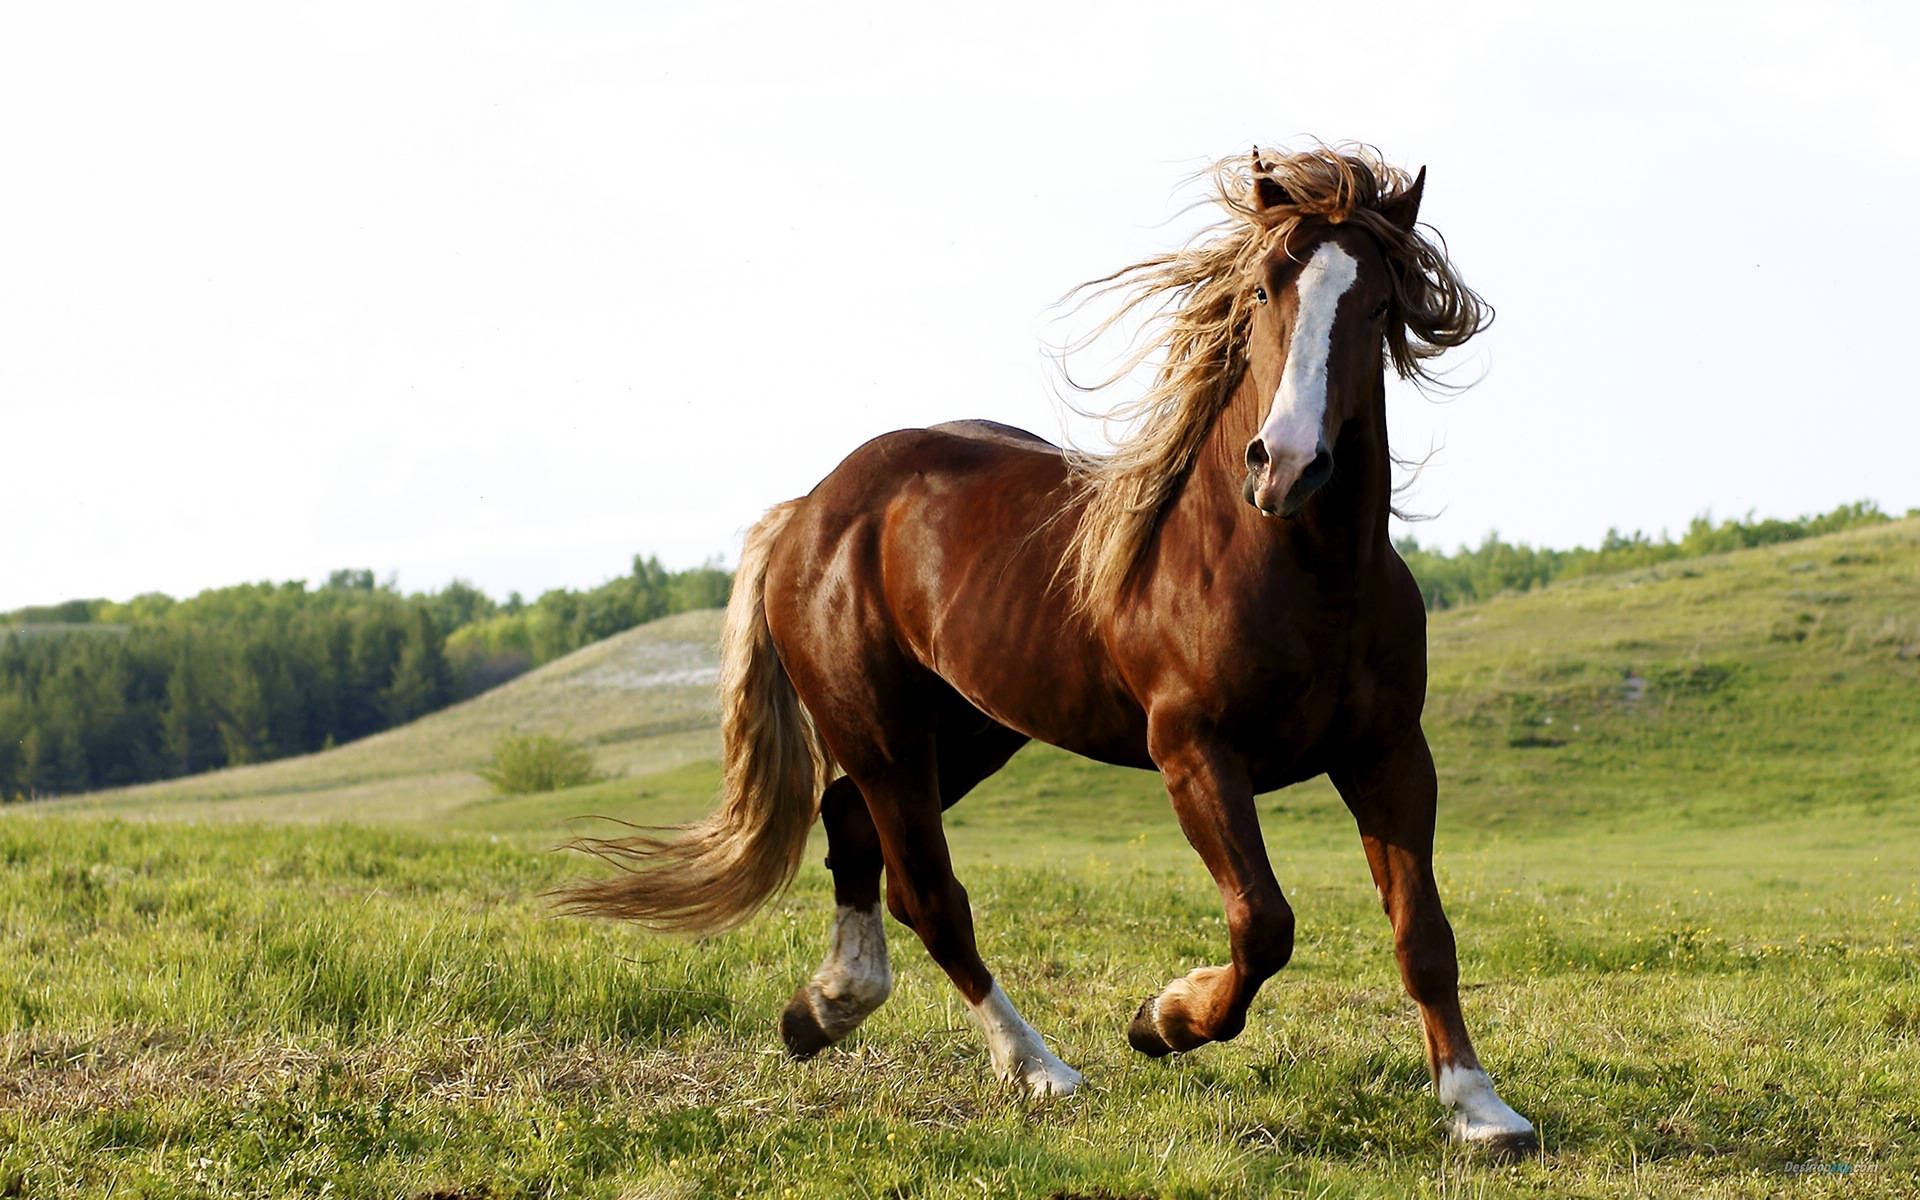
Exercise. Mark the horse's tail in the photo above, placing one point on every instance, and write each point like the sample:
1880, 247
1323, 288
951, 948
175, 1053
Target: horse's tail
715, 873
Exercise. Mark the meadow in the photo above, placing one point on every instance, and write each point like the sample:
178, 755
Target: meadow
1679, 842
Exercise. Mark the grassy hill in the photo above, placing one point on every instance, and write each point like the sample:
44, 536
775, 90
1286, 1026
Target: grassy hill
1774, 681
1679, 842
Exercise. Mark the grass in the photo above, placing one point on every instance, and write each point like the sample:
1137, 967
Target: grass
1679, 842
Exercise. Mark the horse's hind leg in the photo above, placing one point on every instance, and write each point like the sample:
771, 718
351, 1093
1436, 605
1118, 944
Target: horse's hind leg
904, 788
854, 979
906, 741
923, 895
905, 803
1392, 800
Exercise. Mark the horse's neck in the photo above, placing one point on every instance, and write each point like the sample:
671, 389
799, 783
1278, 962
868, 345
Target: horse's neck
1343, 527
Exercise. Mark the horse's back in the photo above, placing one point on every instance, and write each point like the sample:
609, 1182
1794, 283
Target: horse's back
980, 472
994, 431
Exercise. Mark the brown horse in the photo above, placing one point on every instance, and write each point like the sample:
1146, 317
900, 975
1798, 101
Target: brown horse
1217, 599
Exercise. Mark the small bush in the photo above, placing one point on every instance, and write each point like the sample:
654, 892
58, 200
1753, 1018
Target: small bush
536, 762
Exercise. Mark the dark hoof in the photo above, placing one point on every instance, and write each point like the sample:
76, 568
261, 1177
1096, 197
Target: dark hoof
801, 1030
1141, 1034
1509, 1147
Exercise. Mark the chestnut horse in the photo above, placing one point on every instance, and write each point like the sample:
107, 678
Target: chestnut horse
1217, 599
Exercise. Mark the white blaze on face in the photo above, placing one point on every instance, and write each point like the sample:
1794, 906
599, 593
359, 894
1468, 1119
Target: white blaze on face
1292, 429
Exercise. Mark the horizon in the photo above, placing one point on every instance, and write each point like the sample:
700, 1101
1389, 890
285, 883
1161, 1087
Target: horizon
391, 581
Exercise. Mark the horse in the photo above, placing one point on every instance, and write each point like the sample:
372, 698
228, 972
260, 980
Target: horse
1217, 597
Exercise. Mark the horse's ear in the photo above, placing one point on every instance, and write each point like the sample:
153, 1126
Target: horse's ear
1403, 210
1267, 192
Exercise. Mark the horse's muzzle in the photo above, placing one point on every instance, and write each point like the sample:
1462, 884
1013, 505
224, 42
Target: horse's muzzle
1269, 490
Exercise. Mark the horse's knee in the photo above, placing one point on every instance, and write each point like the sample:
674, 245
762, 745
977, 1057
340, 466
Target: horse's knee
1263, 938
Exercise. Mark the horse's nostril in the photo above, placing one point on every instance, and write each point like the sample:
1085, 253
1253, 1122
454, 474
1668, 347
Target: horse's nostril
1256, 454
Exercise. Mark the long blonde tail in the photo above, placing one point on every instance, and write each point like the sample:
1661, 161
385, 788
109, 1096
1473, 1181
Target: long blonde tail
715, 873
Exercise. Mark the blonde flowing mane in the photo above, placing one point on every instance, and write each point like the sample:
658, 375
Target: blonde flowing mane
1198, 307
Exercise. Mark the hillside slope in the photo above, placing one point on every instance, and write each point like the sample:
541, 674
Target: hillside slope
1772, 681
1767, 682
643, 700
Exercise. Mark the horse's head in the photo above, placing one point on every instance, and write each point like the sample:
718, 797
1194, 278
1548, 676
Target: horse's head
1291, 305
1323, 298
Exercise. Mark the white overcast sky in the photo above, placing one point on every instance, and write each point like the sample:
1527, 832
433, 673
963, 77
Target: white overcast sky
513, 292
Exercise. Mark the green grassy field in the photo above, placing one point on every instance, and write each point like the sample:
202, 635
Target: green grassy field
1680, 844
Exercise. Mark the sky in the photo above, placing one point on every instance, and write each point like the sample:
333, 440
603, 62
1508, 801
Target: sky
512, 293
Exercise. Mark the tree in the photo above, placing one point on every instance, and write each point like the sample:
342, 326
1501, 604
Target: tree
178, 716
244, 717
421, 678
460, 604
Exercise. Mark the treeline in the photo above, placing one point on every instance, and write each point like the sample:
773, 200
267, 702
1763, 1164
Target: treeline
1466, 575
99, 694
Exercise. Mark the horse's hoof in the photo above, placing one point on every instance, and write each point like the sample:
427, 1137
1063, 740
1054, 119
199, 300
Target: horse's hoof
1143, 1034
1508, 1147
1048, 1078
1480, 1120
800, 1029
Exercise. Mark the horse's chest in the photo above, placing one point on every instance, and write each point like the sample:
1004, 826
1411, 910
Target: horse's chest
1291, 696
1284, 701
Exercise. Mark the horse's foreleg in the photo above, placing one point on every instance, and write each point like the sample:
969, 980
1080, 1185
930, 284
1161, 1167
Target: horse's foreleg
1393, 801
1213, 797
854, 979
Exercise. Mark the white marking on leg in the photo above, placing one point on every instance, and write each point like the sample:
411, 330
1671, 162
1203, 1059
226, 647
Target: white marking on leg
1477, 1114
1018, 1054
1292, 429
854, 979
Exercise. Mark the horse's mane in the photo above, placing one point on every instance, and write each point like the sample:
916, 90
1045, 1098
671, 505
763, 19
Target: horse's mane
1199, 306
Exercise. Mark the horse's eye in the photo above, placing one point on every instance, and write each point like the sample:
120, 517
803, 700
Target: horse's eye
1260, 293
1379, 311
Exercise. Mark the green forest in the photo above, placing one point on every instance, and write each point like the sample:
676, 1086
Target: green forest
98, 694
95, 693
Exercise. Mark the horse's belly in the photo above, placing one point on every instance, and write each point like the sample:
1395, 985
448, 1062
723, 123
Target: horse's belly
1053, 698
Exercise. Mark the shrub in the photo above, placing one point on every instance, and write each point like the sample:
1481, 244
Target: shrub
536, 762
